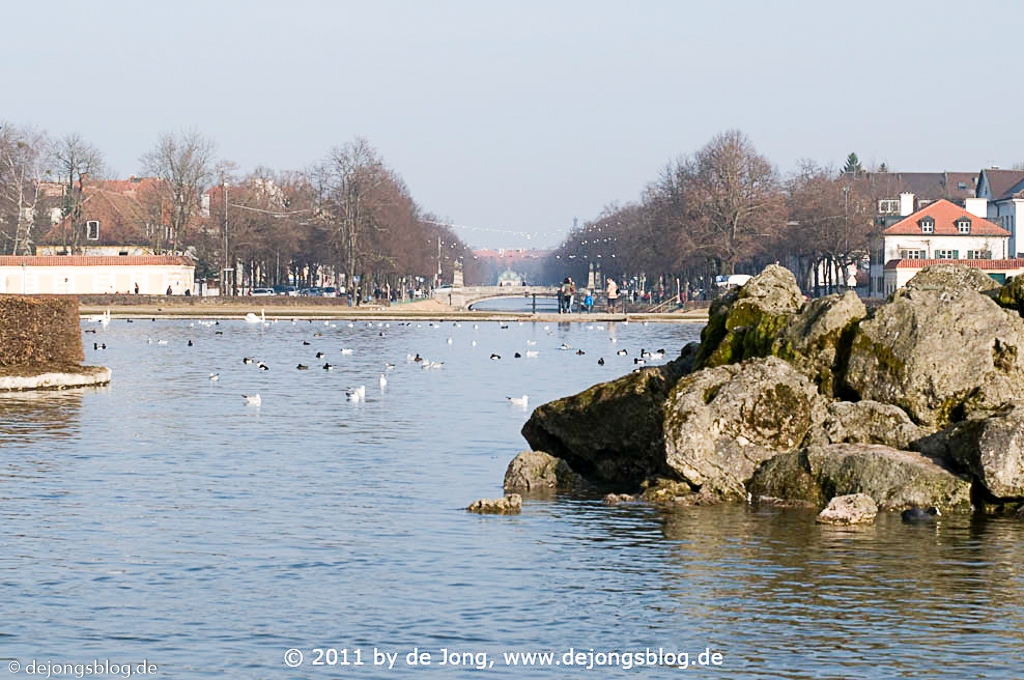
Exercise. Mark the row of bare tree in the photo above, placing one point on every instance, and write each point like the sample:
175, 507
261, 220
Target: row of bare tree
724, 209
346, 218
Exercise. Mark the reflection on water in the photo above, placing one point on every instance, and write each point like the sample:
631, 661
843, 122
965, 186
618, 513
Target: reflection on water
30, 417
162, 518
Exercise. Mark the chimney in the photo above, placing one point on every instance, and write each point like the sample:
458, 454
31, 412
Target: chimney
976, 206
906, 204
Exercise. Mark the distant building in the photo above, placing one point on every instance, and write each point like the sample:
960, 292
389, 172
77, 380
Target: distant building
1004, 191
509, 278
91, 274
118, 217
939, 232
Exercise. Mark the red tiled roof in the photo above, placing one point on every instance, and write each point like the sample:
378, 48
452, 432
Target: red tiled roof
985, 265
92, 260
945, 215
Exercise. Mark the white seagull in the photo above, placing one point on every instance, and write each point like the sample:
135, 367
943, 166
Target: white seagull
519, 401
383, 381
252, 399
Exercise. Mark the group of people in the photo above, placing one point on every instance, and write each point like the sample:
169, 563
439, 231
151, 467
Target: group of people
584, 300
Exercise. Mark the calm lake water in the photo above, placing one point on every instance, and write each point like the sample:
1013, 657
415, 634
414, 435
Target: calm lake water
163, 519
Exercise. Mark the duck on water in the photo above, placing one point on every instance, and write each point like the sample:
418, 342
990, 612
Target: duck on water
916, 515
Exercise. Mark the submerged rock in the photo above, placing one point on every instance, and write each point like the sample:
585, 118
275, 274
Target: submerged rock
893, 479
850, 509
618, 498
537, 471
720, 423
669, 492
509, 505
939, 353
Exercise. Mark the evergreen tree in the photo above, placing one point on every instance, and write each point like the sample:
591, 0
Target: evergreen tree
853, 166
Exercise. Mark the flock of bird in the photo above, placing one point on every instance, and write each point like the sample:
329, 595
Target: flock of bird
358, 393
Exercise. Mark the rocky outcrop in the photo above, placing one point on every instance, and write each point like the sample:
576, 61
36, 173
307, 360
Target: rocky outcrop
939, 353
816, 339
952, 279
893, 479
613, 432
867, 422
798, 402
990, 449
720, 423
855, 508
509, 505
539, 472
745, 322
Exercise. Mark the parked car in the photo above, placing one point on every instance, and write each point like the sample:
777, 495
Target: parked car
261, 292
286, 290
329, 291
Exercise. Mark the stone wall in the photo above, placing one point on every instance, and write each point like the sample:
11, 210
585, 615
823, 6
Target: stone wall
39, 331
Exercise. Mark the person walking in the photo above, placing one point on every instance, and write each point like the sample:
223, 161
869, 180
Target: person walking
561, 295
612, 293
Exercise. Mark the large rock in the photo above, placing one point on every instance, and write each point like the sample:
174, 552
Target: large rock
991, 449
817, 339
612, 433
540, 472
1011, 295
745, 322
893, 479
720, 423
851, 509
938, 351
952, 278
867, 422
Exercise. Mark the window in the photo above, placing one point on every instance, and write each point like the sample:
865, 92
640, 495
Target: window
947, 255
927, 225
911, 254
979, 255
961, 186
963, 225
92, 230
889, 206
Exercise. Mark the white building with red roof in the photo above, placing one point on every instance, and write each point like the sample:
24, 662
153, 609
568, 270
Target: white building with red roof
96, 274
941, 232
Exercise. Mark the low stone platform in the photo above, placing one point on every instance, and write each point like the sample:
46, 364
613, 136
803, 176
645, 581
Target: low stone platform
78, 376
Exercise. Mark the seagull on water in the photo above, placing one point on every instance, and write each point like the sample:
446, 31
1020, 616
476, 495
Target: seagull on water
383, 381
519, 401
532, 354
347, 350
252, 399
389, 367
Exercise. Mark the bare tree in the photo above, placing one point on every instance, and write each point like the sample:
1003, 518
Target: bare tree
73, 161
21, 169
734, 196
830, 219
184, 162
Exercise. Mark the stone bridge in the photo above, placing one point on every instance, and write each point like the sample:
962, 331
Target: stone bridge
466, 296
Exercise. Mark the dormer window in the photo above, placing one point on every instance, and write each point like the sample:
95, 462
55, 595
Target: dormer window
963, 225
927, 225
92, 230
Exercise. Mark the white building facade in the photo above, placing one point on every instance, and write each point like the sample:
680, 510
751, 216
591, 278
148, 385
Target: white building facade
1004, 191
940, 231
92, 275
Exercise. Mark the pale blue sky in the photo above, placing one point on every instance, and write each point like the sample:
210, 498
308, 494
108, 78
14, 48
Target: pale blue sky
522, 115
